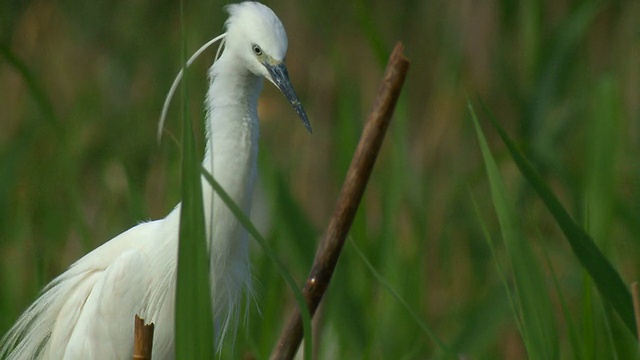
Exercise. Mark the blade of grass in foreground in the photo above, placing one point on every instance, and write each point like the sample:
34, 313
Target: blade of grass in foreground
244, 220
601, 153
534, 306
604, 275
381, 280
499, 269
573, 338
194, 318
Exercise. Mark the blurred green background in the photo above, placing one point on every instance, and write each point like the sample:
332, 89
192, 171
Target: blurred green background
82, 86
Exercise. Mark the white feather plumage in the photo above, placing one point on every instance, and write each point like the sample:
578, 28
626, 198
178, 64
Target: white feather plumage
87, 312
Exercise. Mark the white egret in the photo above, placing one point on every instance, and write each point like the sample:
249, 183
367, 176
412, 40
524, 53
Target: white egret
87, 312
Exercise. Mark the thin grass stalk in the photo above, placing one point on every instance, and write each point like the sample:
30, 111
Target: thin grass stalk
635, 292
194, 331
605, 276
268, 250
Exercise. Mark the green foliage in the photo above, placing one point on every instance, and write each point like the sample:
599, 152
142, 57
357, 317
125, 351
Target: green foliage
194, 315
533, 308
606, 278
385, 284
561, 77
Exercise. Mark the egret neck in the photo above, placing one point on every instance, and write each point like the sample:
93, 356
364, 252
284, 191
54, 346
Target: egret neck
231, 156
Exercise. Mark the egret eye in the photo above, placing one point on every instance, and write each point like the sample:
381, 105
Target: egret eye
256, 49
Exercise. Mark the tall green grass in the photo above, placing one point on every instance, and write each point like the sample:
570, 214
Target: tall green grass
194, 328
529, 298
561, 79
606, 278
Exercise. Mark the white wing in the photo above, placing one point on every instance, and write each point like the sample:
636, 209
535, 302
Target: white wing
104, 327
88, 311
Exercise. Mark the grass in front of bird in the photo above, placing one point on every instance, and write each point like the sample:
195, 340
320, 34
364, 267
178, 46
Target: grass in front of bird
561, 80
194, 324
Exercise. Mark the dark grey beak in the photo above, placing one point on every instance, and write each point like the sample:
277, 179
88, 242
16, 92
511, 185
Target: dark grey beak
280, 78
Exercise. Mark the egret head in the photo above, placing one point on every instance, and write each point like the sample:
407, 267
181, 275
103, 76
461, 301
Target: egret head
256, 35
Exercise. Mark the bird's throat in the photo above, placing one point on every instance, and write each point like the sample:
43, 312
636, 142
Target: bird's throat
231, 158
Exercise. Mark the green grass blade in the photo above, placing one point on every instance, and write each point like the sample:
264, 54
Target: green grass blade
371, 31
573, 338
194, 317
606, 278
602, 143
588, 317
244, 220
385, 284
535, 308
35, 89
499, 269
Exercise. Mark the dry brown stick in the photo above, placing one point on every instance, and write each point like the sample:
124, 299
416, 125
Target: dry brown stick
143, 340
357, 176
636, 306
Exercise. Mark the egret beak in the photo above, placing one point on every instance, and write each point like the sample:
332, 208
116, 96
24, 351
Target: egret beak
280, 78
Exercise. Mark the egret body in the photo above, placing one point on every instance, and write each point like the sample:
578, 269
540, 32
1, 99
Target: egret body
88, 311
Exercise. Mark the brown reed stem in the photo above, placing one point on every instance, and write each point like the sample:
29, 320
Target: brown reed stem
143, 340
353, 188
